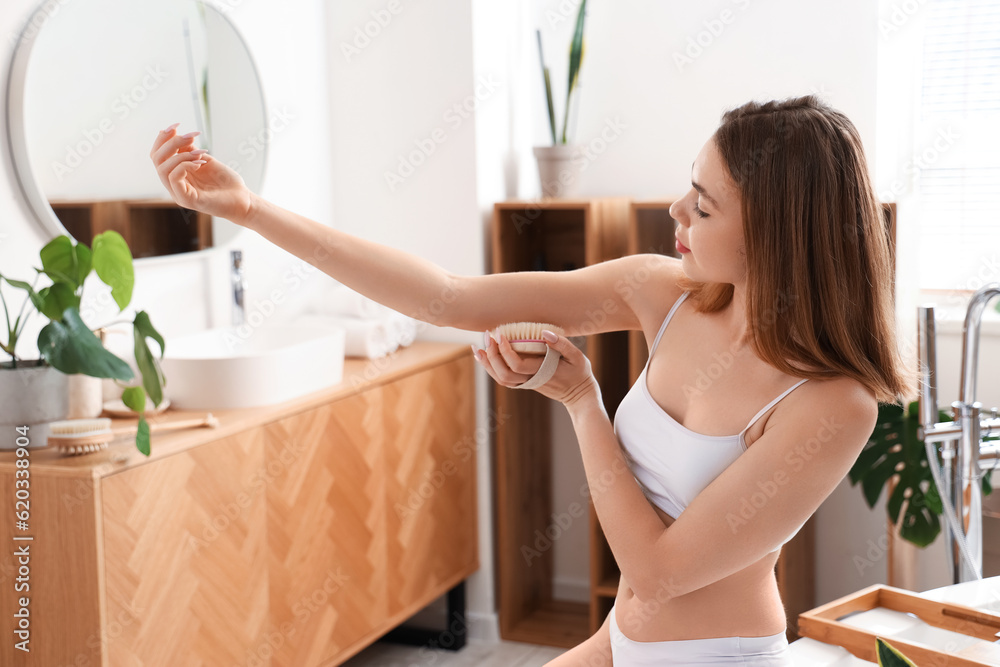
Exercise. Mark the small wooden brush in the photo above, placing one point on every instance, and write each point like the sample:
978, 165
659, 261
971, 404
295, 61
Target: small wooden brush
82, 436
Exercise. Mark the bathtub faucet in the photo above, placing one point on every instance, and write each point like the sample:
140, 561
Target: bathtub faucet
964, 456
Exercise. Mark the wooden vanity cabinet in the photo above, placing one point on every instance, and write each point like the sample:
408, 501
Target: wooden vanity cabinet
292, 535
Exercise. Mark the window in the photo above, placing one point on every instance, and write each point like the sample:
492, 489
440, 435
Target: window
956, 145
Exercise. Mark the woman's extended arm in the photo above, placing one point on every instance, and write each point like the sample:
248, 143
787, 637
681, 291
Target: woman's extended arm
593, 299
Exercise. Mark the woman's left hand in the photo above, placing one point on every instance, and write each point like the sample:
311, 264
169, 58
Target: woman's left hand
572, 383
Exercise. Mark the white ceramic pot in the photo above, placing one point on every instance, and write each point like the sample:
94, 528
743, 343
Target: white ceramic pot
31, 395
86, 397
559, 169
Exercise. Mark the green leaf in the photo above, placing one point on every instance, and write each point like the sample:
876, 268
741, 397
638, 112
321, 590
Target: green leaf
135, 398
933, 499
889, 656
36, 300
83, 262
152, 376
69, 346
60, 261
56, 299
142, 437
895, 449
548, 88
575, 60
113, 262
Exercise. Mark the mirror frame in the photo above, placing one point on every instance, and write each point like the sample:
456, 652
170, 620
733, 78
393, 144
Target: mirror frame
18, 143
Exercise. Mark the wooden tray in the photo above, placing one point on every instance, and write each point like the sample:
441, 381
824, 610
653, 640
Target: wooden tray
822, 625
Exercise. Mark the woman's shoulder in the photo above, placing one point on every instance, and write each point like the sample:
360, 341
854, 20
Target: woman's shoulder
657, 287
839, 398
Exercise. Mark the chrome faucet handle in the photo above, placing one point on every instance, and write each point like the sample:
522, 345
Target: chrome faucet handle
239, 285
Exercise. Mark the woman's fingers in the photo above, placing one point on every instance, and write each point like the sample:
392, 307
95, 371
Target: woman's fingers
183, 192
171, 163
504, 364
181, 142
525, 366
161, 138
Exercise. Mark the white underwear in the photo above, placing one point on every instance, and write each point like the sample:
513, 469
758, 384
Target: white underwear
770, 651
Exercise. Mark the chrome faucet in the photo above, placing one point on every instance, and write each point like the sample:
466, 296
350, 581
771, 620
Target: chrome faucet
239, 283
963, 453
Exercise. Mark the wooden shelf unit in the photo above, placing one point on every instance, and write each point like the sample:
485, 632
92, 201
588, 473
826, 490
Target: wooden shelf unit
545, 235
150, 227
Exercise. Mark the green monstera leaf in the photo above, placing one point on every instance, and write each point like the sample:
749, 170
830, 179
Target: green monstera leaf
69, 346
56, 298
65, 262
135, 398
113, 265
152, 375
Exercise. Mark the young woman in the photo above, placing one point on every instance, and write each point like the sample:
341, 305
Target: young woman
754, 404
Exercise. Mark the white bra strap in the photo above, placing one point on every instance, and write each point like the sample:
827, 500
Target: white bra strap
771, 404
666, 320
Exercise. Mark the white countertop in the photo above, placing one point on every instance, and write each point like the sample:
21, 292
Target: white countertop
981, 594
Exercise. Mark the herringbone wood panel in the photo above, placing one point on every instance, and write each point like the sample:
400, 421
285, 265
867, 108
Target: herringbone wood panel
326, 524
430, 457
186, 558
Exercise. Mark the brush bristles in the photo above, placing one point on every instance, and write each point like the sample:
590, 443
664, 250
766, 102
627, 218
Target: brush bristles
526, 337
77, 427
76, 450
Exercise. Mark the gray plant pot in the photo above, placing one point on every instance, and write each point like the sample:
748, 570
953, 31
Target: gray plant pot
31, 395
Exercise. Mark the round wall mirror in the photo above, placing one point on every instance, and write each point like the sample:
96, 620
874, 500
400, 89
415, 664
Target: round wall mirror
93, 81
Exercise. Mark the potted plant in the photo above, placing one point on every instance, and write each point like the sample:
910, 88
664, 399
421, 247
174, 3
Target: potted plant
558, 166
66, 345
895, 448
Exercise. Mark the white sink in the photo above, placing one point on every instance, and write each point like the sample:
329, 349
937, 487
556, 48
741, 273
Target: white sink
221, 369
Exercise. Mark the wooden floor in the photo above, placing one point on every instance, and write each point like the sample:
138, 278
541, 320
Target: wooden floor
478, 654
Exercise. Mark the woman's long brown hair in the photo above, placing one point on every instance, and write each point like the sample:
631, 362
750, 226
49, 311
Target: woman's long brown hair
820, 283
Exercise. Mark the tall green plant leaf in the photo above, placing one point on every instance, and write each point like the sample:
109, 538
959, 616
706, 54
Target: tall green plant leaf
548, 88
575, 61
888, 656
113, 264
69, 346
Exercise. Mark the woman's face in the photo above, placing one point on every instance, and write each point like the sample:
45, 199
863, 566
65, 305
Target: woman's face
715, 235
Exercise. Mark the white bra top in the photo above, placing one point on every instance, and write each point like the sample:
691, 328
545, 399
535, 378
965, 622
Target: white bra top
671, 463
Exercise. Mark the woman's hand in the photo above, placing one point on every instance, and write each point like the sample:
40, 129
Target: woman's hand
572, 383
198, 181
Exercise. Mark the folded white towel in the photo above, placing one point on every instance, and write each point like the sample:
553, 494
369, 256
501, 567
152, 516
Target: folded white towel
402, 328
343, 301
364, 337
